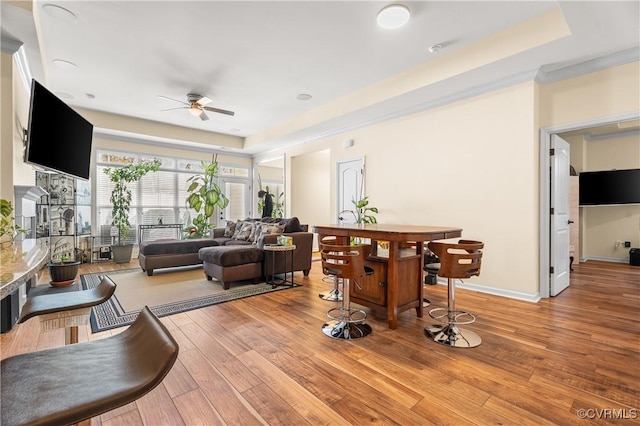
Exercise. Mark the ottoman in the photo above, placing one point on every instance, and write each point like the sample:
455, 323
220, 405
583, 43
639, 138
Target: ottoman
231, 263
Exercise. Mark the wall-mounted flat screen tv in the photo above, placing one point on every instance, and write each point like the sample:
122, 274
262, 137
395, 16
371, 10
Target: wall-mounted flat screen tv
58, 138
610, 187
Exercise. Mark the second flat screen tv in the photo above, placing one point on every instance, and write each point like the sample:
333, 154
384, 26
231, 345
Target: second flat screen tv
610, 187
58, 138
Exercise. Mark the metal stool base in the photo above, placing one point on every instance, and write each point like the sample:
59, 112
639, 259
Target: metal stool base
334, 295
346, 330
449, 335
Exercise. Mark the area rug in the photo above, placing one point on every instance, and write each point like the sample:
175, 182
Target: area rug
167, 292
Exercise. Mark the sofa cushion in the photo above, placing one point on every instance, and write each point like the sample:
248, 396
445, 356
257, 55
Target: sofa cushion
231, 255
222, 240
238, 243
159, 247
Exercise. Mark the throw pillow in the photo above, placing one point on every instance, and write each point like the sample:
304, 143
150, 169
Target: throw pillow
245, 232
255, 232
271, 229
239, 224
230, 229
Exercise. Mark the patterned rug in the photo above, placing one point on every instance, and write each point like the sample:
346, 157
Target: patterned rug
169, 291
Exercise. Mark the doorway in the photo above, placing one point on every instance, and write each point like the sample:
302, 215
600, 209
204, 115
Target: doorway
549, 257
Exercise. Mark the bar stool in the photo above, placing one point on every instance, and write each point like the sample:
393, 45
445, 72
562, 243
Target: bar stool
69, 384
347, 262
335, 294
457, 260
68, 310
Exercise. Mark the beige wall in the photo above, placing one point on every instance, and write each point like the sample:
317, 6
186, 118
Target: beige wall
591, 96
309, 188
6, 127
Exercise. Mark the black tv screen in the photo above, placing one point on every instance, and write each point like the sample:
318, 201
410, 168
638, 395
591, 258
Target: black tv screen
58, 138
610, 187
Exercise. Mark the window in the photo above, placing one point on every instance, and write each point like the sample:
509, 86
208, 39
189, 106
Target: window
158, 197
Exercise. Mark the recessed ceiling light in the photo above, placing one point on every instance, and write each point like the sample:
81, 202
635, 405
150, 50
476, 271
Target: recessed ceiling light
435, 48
393, 16
60, 13
90, 95
65, 65
303, 97
64, 95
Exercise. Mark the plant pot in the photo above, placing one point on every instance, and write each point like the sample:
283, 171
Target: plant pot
63, 273
122, 253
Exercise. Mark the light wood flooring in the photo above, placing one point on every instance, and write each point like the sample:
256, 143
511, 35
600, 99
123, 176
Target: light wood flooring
264, 360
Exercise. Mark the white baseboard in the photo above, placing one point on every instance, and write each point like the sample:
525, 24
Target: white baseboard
606, 259
526, 297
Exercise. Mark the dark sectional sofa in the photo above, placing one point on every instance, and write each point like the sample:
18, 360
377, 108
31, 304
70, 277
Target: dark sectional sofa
170, 253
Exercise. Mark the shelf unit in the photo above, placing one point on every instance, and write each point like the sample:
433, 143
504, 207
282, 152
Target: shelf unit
63, 216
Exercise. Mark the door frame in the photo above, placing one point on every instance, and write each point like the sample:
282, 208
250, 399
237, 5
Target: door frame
545, 188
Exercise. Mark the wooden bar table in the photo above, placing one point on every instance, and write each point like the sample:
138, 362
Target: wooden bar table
396, 284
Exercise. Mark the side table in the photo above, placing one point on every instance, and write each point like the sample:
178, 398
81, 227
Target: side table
271, 251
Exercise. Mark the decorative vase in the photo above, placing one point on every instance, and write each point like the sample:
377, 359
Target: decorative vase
63, 273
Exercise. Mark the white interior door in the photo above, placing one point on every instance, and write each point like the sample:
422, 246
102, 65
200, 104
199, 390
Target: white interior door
560, 219
349, 187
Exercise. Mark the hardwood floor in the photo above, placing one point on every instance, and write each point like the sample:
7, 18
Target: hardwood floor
264, 360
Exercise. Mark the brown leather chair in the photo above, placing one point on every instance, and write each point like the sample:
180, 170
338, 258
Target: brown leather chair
346, 262
457, 260
72, 383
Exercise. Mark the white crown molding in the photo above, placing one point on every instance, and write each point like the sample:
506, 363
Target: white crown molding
9, 45
592, 65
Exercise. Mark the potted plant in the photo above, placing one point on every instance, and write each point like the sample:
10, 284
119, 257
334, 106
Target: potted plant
204, 196
8, 227
362, 212
64, 272
121, 203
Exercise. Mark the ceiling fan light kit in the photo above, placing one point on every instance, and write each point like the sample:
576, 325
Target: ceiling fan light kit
393, 16
196, 105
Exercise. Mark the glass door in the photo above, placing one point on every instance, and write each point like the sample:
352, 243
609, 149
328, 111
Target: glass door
238, 192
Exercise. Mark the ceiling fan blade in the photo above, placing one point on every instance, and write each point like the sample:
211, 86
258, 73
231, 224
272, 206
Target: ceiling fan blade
218, 110
203, 101
171, 109
203, 116
171, 99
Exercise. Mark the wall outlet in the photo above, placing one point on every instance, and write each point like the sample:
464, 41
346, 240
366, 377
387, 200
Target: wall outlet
618, 244
627, 244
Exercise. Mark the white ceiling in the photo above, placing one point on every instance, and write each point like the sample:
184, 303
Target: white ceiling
255, 57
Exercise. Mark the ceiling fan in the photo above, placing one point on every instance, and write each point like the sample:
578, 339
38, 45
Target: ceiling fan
197, 105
